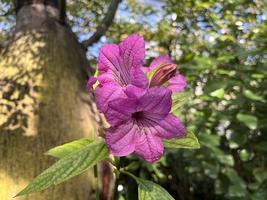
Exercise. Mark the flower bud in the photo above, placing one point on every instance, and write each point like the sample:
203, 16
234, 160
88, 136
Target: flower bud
163, 74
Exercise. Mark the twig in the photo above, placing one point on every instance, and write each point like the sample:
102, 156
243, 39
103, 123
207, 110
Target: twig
104, 25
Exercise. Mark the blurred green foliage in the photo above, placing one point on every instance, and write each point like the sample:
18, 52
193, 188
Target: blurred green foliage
221, 48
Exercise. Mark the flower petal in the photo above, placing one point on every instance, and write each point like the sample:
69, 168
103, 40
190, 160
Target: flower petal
163, 59
121, 140
156, 101
149, 146
107, 93
170, 127
105, 78
108, 57
138, 77
177, 83
132, 51
134, 92
120, 110
145, 69
111, 62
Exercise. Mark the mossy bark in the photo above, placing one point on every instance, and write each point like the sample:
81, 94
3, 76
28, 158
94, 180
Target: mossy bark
43, 103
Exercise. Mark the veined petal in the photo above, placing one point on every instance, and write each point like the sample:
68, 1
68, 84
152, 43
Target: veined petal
105, 93
138, 77
156, 101
134, 92
120, 110
106, 78
177, 83
121, 140
149, 146
169, 127
132, 51
108, 57
111, 63
163, 59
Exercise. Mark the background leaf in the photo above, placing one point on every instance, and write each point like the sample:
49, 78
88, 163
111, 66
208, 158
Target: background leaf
249, 94
218, 93
179, 99
249, 120
189, 142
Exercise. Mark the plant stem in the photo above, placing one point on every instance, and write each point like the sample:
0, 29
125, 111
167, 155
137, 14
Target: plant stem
129, 174
115, 189
117, 176
97, 182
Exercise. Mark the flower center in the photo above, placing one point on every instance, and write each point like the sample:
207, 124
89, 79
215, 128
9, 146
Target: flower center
137, 115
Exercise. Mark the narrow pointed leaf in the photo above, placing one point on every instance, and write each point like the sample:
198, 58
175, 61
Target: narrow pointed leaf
188, 142
68, 167
65, 149
251, 95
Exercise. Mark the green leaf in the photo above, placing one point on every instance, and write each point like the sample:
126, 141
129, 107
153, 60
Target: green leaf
234, 178
209, 140
249, 94
65, 149
212, 86
188, 142
236, 191
259, 195
68, 167
260, 174
148, 190
249, 120
179, 99
218, 93
261, 146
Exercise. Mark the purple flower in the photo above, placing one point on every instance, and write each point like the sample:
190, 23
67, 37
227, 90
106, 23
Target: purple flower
166, 73
139, 121
119, 66
138, 111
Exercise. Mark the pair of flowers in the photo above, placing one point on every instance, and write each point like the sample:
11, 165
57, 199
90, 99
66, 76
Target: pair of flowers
136, 100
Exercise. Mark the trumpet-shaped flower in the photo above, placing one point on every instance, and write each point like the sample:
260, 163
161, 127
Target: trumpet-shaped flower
119, 66
139, 121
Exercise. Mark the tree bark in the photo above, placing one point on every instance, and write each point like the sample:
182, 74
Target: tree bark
43, 102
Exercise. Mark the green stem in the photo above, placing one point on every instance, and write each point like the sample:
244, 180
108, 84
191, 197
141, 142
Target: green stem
117, 176
115, 189
129, 174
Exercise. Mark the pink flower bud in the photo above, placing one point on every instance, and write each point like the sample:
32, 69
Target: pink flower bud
163, 74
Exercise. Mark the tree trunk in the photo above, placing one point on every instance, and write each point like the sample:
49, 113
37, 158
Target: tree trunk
43, 102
